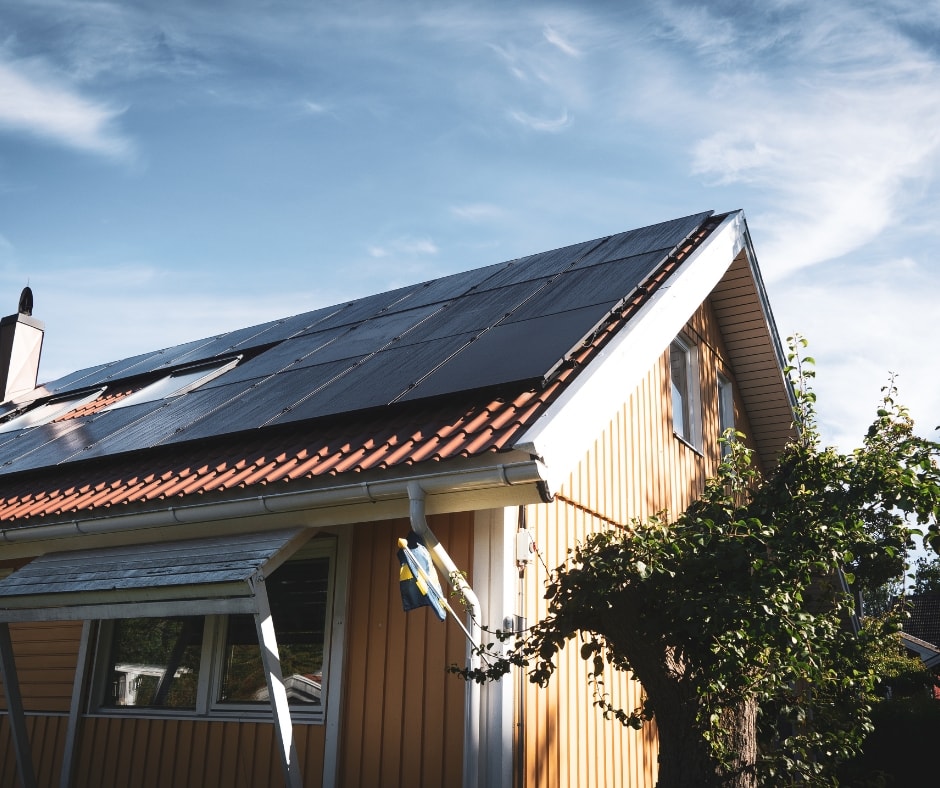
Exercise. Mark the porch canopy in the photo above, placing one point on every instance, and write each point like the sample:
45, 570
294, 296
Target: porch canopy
218, 575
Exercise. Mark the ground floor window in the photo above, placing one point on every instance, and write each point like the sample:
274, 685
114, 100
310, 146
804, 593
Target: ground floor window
201, 664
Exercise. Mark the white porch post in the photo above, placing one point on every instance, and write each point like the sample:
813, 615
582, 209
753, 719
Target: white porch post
495, 577
11, 686
277, 694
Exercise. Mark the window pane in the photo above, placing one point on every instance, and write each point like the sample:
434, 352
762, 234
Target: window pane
155, 662
298, 596
679, 371
725, 410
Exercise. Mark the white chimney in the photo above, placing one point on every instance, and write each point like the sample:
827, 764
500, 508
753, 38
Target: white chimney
20, 347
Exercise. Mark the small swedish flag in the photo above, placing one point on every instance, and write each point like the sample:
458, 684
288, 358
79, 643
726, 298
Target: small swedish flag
417, 577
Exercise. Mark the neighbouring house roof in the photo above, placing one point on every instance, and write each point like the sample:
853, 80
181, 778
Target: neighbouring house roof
929, 654
924, 620
456, 368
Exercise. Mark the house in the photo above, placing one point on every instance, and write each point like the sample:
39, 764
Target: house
923, 621
921, 631
159, 512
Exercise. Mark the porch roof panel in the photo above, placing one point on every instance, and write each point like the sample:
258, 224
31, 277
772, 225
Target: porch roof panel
184, 577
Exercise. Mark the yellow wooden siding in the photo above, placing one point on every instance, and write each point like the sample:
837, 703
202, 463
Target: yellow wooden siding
45, 661
47, 736
635, 469
151, 753
403, 715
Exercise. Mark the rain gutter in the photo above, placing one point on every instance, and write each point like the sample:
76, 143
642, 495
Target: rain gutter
525, 473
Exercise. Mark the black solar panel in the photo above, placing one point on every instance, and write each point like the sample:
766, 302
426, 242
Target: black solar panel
155, 422
511, 352
264, 401
600, 284
51, 444
377, 380
22, 443
474, 312
508, 323
539, 266
447, 288
287, 354
370, 336
664, 236
75, 379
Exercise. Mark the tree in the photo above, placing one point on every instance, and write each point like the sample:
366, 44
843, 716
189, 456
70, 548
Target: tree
737, 617
926, 576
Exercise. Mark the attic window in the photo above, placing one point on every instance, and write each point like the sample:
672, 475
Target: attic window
48, 411
177, 383
725, 411
686, 413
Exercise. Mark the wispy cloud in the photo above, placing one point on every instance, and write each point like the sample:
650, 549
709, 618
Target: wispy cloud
39, 106
404, 246
477, 212
557, 40
835, 135
851, 314
313, 107
551, 125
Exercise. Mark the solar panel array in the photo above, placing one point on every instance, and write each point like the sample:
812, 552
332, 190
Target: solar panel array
503, 324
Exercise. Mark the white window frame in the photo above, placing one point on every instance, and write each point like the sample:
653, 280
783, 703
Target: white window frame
212, 654
686, 397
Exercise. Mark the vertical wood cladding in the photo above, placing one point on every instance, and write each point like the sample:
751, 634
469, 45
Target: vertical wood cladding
635, 469
45, 661
403, 714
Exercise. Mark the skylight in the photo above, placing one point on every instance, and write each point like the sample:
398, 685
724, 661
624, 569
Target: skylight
48, 411
176, 383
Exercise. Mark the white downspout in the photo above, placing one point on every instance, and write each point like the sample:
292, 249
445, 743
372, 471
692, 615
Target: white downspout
419, 524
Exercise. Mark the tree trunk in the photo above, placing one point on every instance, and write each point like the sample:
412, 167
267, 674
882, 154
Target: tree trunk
685, 756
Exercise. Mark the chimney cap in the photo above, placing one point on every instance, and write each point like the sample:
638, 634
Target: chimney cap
26, 301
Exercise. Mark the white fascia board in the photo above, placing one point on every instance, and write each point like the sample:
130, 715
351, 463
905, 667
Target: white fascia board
568, 428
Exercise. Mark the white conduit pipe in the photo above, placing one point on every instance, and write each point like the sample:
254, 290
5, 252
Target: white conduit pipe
419, 524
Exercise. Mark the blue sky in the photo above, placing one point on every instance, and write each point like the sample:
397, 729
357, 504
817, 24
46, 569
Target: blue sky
172, 169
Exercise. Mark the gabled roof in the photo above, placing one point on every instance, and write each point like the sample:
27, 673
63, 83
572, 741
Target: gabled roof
452, 369
928, 653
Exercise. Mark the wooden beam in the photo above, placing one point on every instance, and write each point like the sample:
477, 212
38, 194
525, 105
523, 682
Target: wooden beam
75, 709
11, 686
152, 609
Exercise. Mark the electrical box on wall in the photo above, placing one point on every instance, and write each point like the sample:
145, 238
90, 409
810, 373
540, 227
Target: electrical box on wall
525, 546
